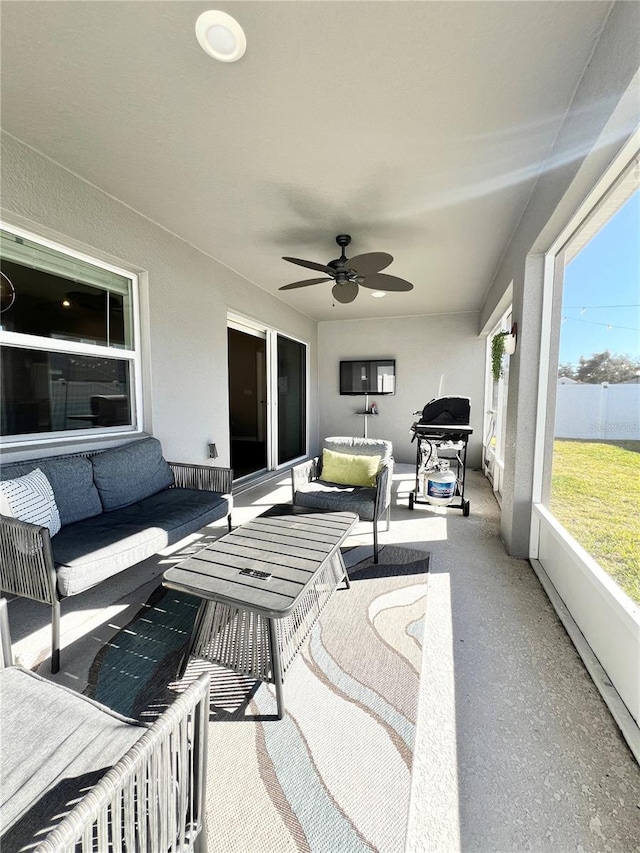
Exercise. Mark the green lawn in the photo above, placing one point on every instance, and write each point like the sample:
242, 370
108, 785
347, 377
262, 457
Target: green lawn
595, 493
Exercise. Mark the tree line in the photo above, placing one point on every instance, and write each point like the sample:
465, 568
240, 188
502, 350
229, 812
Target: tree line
602, 367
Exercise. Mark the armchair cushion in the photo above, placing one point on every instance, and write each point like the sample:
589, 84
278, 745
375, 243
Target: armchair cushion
336, 498
80, 743
360, 446
350, 469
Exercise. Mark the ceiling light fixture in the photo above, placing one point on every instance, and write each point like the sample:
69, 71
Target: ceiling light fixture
221, 36
378, 294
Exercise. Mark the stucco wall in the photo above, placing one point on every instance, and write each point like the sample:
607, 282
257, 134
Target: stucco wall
436, 356
185, 297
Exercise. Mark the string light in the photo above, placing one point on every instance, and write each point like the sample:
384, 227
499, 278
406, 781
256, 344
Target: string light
607, 325
583, 308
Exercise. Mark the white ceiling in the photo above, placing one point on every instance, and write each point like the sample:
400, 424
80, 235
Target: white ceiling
417, 127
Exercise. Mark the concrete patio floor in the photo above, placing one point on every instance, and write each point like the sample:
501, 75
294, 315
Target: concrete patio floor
515, 748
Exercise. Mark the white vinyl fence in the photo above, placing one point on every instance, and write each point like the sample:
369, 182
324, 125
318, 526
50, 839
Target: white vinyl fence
604, 411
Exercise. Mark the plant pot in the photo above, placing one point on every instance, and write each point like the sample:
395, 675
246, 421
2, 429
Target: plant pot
509, 344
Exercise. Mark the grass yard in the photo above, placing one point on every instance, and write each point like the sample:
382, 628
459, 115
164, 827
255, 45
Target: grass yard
595, 493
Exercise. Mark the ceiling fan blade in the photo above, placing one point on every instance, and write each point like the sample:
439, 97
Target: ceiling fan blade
382, 281
303, 283
369, 263
345, 293
312, 265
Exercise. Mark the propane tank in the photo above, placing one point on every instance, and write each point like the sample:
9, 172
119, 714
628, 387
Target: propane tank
440, 485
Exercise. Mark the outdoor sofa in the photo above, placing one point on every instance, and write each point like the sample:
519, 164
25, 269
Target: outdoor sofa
76, 777
114, 508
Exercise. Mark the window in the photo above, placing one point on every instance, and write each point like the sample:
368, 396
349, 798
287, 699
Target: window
595, 467
67, 333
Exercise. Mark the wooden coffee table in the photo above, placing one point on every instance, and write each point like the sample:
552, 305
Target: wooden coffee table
263, 587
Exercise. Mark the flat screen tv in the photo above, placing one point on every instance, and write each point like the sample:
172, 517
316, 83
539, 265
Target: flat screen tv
368, 376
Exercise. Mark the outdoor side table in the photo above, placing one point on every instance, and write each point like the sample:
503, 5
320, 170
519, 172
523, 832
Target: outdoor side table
263, 587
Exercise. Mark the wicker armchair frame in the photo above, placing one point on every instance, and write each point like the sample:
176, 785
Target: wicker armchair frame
154, 798
27, 566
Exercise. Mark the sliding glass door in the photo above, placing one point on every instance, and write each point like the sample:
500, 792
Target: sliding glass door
268, 380
292, 399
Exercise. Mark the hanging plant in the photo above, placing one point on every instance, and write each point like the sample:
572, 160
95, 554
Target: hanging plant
497, 351
501, 343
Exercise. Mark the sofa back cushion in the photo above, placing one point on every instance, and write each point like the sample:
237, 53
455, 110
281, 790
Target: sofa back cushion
130, 473
71, 479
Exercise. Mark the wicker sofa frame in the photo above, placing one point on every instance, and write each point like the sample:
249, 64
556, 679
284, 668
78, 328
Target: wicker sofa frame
27, 565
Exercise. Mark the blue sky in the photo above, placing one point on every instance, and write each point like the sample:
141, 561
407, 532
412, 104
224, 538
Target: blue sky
601, 301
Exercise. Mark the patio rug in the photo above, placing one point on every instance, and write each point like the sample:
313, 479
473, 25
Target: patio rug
334, 775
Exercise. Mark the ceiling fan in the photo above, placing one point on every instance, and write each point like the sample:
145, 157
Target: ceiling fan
350, 274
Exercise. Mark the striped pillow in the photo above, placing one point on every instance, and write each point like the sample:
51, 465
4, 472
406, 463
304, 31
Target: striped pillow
30, 498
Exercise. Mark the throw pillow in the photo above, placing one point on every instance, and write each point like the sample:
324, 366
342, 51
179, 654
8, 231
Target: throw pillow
348, 469
30, 498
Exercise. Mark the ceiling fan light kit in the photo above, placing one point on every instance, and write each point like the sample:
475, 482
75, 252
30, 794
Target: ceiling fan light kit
221, 36
350, 274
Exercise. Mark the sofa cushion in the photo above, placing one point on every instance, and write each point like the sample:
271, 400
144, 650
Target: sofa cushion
30, 498
71, 479
74, 742
130, 473
350, 469
335, 498
92, 550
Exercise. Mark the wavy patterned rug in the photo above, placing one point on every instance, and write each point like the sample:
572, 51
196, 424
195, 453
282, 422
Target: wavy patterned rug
334, 775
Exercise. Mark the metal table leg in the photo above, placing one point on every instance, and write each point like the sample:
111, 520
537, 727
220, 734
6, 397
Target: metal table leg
184, 662
276, 667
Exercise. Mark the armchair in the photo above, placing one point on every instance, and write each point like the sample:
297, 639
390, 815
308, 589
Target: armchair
76, 777
371, 503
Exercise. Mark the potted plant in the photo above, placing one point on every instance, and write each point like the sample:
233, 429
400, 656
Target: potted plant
501, 343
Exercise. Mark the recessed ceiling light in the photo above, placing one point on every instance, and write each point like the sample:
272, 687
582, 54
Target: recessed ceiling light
221, 36
378, 294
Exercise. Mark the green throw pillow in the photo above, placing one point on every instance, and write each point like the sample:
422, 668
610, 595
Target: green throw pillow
348, 469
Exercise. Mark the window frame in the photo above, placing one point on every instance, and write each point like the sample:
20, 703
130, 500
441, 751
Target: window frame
35, 342
602, 620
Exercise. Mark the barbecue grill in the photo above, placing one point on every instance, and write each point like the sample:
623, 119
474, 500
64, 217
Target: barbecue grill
442, 432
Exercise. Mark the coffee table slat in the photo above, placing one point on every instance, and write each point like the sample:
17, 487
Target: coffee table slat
231, 592
278, 545
268, 559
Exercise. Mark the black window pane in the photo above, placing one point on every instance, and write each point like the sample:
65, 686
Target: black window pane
51, 392
52, 306
292, 399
